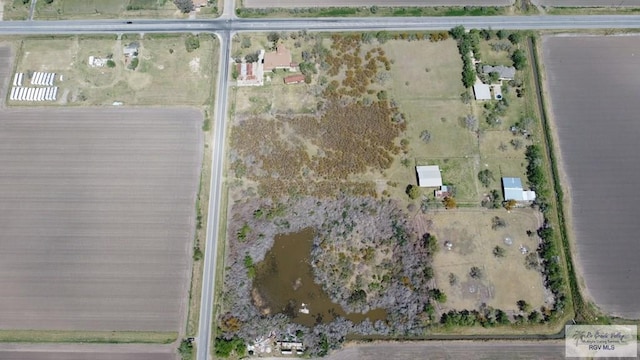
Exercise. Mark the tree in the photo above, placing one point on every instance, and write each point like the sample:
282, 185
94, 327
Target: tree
437, 295
475, 272
48, 2
413, 191
502, 34
134, 63
510, 204
430, 243
497, 222
449, 202
494, 76
498, 251
382, 95
111, 63
186, 6
523, 306
425, 136
457, 32
191, 43
470, 122
534, 317
453, 279
465, 97
252, 57
515, 38
519, 58
383, 36
273, 37
186, 349
485, 177
246, 42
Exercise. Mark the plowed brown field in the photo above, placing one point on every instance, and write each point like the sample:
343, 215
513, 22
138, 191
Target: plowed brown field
97, 217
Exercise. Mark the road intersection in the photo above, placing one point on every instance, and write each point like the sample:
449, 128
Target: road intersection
225, 26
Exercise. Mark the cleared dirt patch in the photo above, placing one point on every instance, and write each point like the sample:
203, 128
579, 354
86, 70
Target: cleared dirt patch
97, 218
598, 141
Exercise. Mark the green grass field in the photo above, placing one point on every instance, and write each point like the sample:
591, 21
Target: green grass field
15, 10
105, 9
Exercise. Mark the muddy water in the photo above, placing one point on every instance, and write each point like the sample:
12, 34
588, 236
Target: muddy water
284, 281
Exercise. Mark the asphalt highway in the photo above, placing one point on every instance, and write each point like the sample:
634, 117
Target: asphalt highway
319, 24
227, 24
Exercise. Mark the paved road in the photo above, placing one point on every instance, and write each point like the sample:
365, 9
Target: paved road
228, 23
215, 195
324, 24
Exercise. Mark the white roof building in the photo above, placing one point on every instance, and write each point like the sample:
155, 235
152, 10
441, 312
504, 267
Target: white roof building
512, 190
482, 91
429, 176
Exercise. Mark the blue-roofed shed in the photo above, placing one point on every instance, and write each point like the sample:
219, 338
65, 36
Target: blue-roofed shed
512, 188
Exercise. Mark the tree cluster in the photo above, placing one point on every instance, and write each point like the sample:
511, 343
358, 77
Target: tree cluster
467, 43
186, 6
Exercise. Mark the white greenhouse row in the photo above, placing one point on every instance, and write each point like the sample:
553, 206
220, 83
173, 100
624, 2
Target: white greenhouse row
33, 94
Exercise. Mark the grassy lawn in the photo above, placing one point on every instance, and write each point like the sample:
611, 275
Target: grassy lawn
373, 11
202, 210
105, 9
504, 280
119, 337
592, 11
167, 74
15, 10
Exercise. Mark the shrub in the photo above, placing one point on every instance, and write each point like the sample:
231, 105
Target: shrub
413, 191
134, 63
191, 43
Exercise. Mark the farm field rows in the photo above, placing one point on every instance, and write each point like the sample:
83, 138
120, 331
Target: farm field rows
599, 150
312, 3
97, 217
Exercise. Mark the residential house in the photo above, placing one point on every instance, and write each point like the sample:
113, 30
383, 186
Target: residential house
504, 72
131, 50
279, 59
251, 74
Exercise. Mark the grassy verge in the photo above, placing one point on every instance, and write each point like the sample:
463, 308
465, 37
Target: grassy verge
592, 11
104, 9
108, 337
373, 11
584, 311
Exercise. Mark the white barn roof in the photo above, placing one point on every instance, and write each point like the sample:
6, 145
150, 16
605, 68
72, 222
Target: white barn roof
429, 176
482, 91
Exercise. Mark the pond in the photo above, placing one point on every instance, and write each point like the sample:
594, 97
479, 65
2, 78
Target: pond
284, 282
